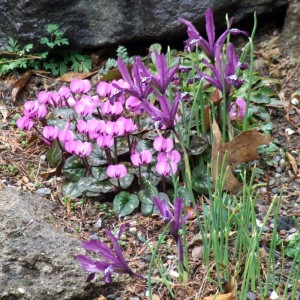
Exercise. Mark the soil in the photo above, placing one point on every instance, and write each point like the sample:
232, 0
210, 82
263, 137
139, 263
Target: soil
85, 221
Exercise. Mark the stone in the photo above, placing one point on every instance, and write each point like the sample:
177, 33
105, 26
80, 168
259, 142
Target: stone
37, 259
91, 24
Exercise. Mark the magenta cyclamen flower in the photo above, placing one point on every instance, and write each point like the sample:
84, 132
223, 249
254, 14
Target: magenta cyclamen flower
44, 97
114, 260
166, 168
237, 109
80, 86
50, 132
172, 156
79, 148
129, 126
141, 158
108, 109
66, 135
176, 220
115, 128
25, 123
209, 47
104, 89
116, 171
163, 144
105, 141
134, 104
34, 109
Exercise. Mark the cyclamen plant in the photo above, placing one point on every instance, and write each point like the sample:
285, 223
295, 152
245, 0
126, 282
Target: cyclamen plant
120, 134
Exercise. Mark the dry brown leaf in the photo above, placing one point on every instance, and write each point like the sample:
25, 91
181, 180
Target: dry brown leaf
228, 296
155, 297
3, 110
231, 183
19, 85
293, 162
243, 148
67, 77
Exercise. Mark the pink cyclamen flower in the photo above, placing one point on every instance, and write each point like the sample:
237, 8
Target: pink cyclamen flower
44, 97
64, 92
105, 141
66, 135
116, 171
82, 126
129, 126
34, 109
80, 86
174, 156
108, 109
104, 89
82, 149
50, 132
96, 126
84, 109
141, 158
134, 104
163, 144
25, 123
115, 128
166, 168
237, 109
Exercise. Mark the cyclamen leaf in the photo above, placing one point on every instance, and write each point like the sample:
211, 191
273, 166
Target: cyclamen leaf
125, 181
73, 168
125, 203
54, 155
70, 189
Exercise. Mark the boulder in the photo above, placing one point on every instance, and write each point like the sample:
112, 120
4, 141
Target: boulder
36, 256
98, 23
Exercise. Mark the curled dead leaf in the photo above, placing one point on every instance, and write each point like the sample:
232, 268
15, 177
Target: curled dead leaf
243, 148
293, 162
67, 77
228, 296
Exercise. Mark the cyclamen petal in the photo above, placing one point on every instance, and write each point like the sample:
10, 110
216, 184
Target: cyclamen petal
163, 144
105, 141
25, 123
166, 168
174, 156
82, 126
50, 132
141, 158
82, 149
108, 109
116, 171
104, 89
80, 86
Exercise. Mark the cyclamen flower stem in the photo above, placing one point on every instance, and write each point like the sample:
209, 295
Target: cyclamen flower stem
163, 184
108, 156
140, 177
60, 146
138, 123
116, 151
40, 133
86, 166
129, 145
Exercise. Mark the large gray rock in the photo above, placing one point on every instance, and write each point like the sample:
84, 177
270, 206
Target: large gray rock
95, 23
36, 256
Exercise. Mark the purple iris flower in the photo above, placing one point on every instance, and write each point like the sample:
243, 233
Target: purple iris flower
210, 46
228, 67
176, 220
164, 75
114, 260
166, 115
140, 82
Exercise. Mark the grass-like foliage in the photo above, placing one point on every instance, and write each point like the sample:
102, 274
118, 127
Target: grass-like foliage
152, 140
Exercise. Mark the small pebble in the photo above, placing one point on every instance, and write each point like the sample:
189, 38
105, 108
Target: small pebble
282, 163
283, 232
272, 181
289, 131
98, 224
278, 158
43, 191
279, 170
292, 230
274, 190
94, 236
43, 157
21, 290
132, 229
295, 101
134, 298
251, 296
292, 112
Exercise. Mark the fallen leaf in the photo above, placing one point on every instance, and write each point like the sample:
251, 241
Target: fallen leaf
3, 110
231, 183
19, 85
293, 162
155, 297
67, 77
243, 148
228, 296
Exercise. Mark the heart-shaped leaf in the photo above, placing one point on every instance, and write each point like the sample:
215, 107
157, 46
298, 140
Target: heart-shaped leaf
92, 185
125, 181
70, 189
147, 205
198, 144
200, 179
97, 157
54, 155
73, 168
125, 203
99, 173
